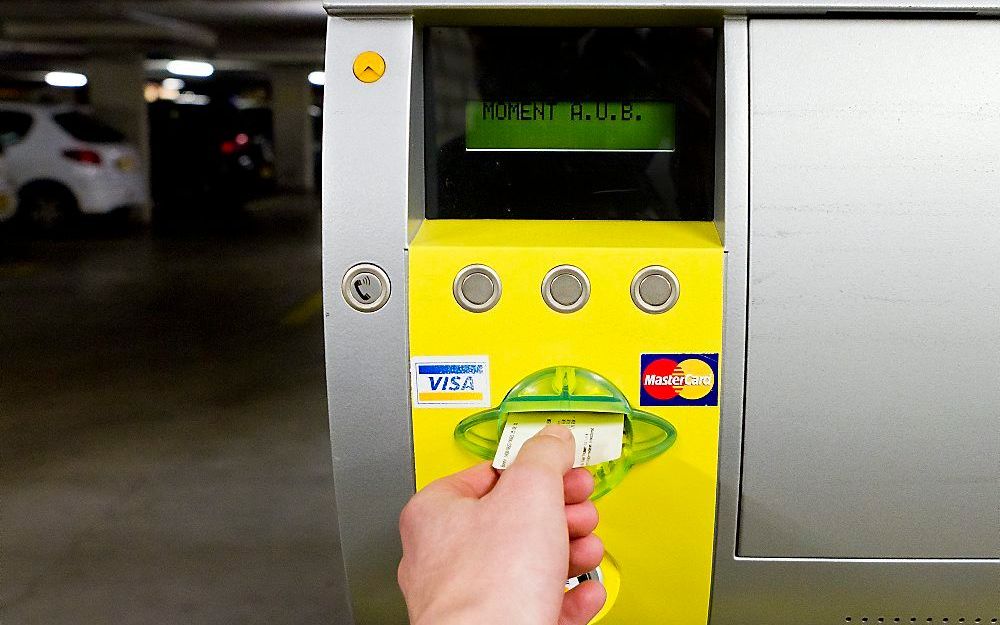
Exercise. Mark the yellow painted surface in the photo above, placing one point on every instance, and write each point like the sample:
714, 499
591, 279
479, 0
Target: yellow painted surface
658, 524
454, 396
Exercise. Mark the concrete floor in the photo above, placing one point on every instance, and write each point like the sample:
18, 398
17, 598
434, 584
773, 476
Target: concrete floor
163, 437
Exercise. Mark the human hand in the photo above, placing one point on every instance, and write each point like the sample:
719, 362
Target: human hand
487, 550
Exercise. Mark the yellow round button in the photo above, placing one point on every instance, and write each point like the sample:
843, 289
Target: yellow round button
369, 66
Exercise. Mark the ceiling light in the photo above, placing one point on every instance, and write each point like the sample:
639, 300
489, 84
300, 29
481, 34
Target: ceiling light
65, 79
200, 69
197, 99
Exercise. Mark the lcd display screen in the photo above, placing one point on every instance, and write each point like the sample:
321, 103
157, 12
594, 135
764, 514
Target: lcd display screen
570, 123
580, 126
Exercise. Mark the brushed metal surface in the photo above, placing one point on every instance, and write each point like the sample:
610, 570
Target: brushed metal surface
873, 250
417, 196
366, 160
872, 420
732, 220
811, 592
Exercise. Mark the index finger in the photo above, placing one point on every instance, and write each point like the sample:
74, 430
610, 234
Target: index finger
472, 483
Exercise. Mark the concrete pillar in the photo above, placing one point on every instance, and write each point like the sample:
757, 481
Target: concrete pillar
293, 139
115, 85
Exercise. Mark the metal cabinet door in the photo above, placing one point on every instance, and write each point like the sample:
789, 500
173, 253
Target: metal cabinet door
873, 361
869, 486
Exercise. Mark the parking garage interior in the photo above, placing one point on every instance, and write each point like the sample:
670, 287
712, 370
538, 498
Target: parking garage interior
164, 447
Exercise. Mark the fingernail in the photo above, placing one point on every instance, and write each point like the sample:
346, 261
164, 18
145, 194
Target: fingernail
558, 431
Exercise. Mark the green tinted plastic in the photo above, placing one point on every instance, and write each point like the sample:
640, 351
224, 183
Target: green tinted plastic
606, 126
572, 389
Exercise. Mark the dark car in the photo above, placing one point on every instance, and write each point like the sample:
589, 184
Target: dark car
209, 156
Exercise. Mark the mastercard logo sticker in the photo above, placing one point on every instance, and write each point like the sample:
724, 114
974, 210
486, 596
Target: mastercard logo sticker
679, 380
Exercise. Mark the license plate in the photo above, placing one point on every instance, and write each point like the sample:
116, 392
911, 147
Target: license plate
125, 163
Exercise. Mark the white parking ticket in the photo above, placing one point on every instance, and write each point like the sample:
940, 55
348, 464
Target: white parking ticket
598, 436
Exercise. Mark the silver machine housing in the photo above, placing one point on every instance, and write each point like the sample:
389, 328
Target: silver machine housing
857, 194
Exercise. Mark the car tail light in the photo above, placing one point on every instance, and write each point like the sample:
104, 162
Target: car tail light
234, 145
88, 157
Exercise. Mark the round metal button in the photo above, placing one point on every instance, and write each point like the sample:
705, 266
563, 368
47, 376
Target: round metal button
566, 289
365, 287
655, 289
477, 288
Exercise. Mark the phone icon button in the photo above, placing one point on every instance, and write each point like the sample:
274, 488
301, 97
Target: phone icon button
365, 287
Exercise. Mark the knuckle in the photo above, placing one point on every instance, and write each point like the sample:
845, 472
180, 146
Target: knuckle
402, 574
399, 570
409, 517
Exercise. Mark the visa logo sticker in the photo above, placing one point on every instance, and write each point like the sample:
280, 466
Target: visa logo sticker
450, 381
679, 380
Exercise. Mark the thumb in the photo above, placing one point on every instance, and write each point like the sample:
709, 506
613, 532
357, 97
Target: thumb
552, 449
544, 458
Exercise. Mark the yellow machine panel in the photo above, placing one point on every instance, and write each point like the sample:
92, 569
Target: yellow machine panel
658, 523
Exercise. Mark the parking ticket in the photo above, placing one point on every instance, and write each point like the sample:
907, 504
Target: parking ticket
598, 436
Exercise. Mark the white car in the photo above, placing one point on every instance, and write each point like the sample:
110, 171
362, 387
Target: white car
63, 162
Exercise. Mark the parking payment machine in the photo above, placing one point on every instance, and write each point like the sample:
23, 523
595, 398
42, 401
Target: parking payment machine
727, 250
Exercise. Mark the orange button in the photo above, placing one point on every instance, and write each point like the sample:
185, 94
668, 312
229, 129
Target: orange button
369, 66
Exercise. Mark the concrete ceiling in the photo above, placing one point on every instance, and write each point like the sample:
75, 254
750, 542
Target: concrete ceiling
262, 32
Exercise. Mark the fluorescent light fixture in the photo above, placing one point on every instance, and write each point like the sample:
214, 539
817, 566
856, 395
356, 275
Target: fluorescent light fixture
200, 69
317, 78
65, 79
174, 84
193, 98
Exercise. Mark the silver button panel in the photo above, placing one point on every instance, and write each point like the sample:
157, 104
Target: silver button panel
365, 287
566, 289
477, 288
655, 289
